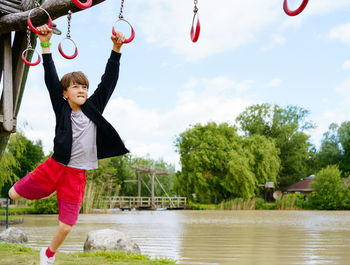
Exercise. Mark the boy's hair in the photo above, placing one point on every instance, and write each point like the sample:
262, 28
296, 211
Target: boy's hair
74, 77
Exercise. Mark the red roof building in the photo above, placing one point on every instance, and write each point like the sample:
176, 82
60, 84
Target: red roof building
303, 186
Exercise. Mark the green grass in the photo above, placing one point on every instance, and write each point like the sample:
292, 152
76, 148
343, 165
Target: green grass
200, 206
19, 254
3, 218
18, 211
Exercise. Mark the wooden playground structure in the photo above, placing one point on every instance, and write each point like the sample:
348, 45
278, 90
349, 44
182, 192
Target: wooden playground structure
152, 202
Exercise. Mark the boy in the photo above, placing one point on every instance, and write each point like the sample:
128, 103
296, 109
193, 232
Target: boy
82, 136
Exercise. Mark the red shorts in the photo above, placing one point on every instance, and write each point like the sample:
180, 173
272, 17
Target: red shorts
69, 184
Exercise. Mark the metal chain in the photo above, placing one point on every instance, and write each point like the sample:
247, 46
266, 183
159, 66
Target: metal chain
69, 19
29, 45
195, 9
121, 9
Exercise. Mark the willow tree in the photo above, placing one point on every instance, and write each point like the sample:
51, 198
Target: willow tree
13, 18
218, 164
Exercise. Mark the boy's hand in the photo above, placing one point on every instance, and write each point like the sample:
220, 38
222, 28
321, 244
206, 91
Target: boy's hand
46, 33
118, 40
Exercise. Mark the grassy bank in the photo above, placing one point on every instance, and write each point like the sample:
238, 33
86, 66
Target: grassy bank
288, 202
19, 254
18, 211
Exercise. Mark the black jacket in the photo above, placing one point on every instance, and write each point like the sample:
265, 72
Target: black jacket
107, 139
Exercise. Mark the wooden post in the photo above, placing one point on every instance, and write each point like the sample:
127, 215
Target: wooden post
7, 92
152, 190
19, 44
139, 179
1, 52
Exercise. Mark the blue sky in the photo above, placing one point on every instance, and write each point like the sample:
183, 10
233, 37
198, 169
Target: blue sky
248, 52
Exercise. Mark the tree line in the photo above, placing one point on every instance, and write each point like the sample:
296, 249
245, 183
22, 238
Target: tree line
220, 162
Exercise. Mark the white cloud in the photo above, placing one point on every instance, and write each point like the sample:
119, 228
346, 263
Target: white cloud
338, 114
346, 65
323, 121
341, 32
344, 89
148, 131
191, 83
276, 40
275, 82
322, 7
225, 25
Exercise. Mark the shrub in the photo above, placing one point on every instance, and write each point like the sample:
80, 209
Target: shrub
238, 204
329, 189
260, 204
46, 206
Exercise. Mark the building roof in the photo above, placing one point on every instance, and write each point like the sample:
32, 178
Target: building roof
302, 185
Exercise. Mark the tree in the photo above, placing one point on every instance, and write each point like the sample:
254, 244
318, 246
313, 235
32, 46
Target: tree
344, 139
335, 148
264, 158
330, 152
21, 157
286, 126
330, 190
218, 164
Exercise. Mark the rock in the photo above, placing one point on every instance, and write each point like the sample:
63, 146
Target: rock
110, 240
13, 235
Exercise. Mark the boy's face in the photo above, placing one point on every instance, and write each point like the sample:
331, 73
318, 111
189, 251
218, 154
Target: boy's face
76, 94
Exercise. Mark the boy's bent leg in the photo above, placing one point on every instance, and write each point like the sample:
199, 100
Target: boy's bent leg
29, 189
60, 235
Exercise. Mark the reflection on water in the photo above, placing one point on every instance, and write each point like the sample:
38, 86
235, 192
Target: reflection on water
216, 237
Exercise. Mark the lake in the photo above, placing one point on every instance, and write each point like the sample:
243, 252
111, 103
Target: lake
215, 237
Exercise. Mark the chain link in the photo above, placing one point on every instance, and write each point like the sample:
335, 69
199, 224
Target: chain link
69, 19
195, 9
121, 9
29, 45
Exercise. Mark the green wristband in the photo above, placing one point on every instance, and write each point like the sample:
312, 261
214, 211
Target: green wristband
45, 44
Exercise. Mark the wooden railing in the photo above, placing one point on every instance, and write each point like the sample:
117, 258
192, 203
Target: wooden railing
128, 202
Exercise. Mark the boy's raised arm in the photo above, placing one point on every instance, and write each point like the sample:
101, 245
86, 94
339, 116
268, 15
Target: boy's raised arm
110, 77
52, 81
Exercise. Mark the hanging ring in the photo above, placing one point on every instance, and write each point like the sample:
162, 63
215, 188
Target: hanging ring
85, 5
195, 33
131, 38
27, 62
294, 12
30, 25
65, 55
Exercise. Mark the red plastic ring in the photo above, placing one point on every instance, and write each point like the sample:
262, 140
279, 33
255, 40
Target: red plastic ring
294, 12
65, 55
195, 33
30, 25
27, 62
85, 5
132, 36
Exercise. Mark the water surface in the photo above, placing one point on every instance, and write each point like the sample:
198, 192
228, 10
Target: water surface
216, 237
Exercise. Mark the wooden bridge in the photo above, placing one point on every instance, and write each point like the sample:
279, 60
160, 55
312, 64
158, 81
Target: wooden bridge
146, 202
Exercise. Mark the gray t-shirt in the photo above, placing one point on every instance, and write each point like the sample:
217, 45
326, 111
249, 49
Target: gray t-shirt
84, 149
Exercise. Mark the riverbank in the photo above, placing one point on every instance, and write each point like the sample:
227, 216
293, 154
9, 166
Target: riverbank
13, 220
288, 202
20, 254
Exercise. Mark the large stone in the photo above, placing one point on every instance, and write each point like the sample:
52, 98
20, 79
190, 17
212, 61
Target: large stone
110, 240
13, 235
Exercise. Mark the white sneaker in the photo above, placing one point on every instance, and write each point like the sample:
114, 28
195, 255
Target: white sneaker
44, 260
